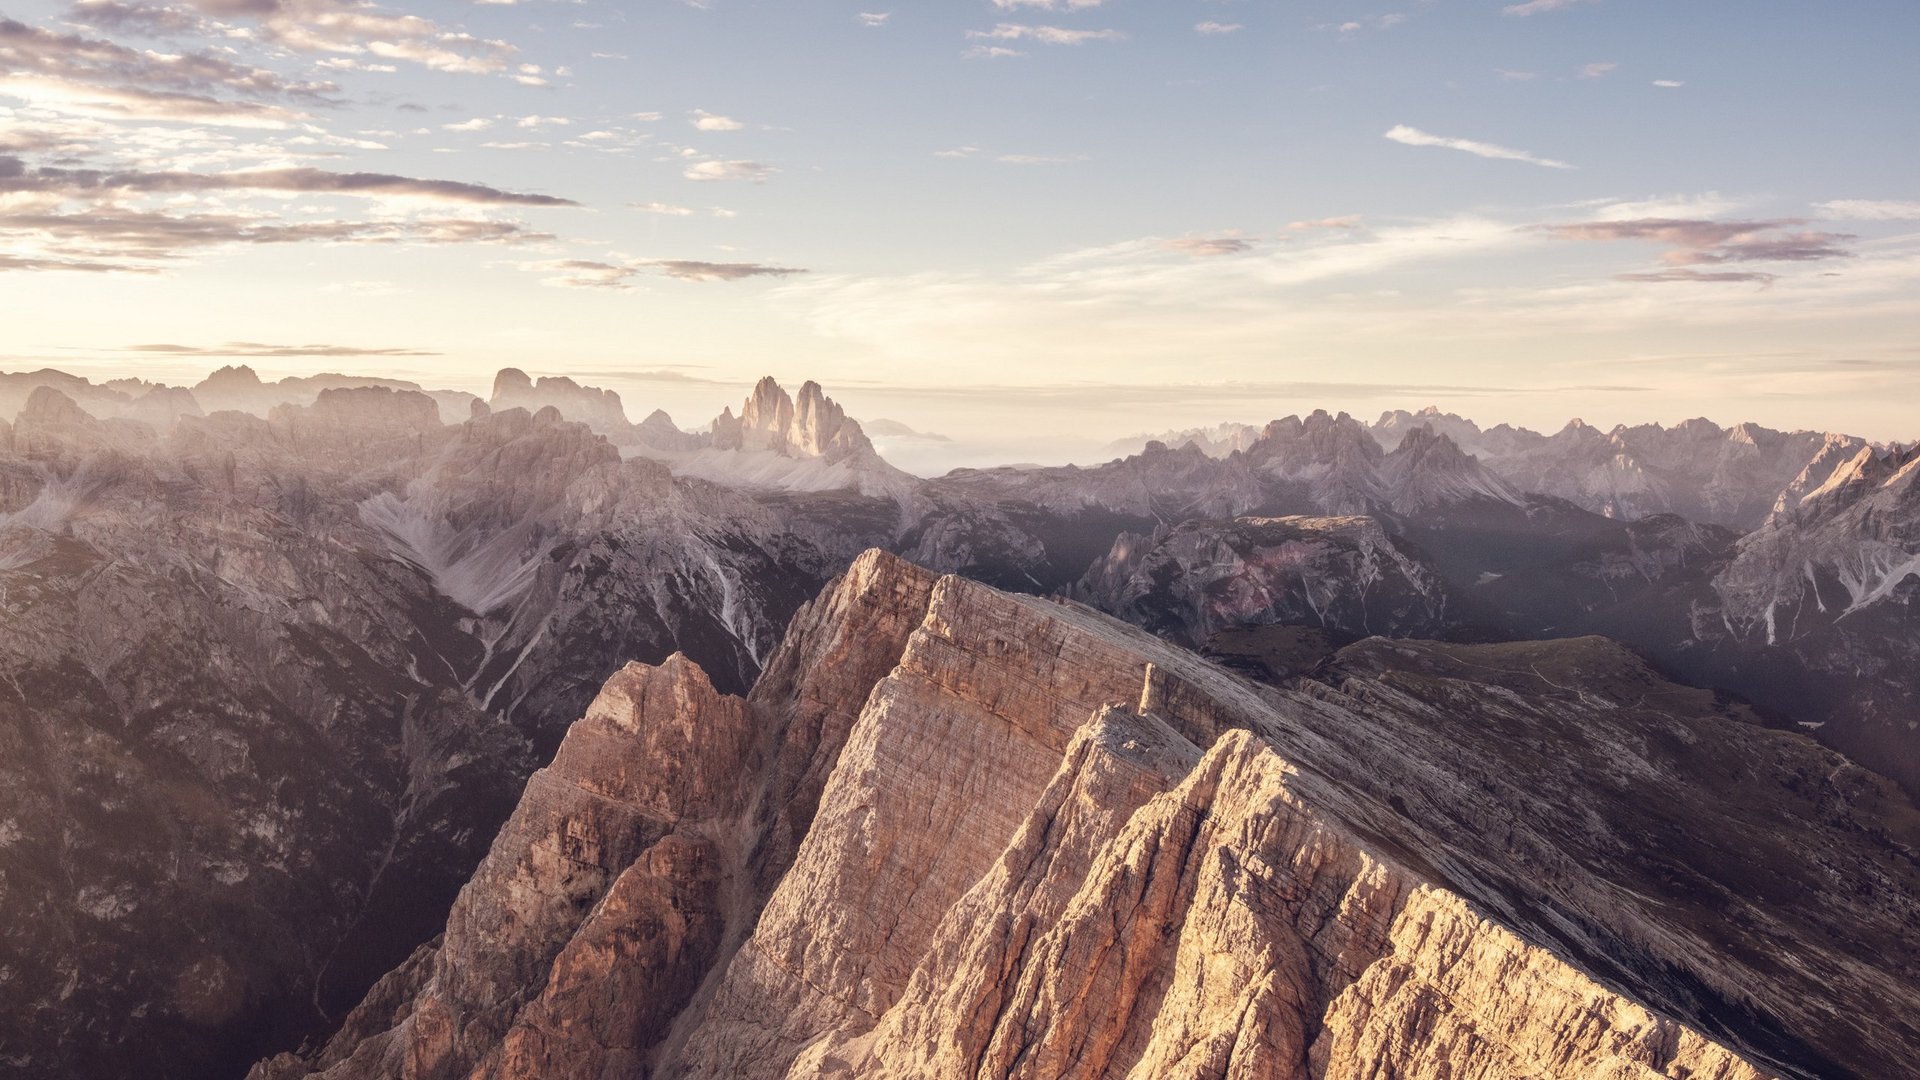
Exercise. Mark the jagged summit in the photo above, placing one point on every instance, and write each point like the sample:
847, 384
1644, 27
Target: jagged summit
1429, 470
1218, 440
1395, 424
784, 442
598, 408
47, 406
811, 425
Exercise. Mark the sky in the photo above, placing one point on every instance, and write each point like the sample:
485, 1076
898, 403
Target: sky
1016, 222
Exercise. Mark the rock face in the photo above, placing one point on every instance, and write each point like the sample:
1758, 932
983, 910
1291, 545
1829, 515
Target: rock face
955, 832
597, 408
1822, 602
1345, 576
810, 426
267, 688
785, 443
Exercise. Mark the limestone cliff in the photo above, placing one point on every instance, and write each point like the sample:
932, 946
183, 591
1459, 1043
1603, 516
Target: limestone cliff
954, 832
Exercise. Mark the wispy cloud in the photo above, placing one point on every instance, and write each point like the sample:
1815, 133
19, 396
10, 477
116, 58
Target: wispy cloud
1535, 7
1598, 70
753, 171
1748, 277
620, 276
1045, 35
1413, 136
1700, 242
1871, 209
1214, 29
873, 18
16, 177
360, 27
1009, 159
263, 350
696, 270
1207, 246
1342, 223
1047, 5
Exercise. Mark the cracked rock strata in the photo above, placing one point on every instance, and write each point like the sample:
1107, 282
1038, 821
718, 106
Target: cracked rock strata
954, 832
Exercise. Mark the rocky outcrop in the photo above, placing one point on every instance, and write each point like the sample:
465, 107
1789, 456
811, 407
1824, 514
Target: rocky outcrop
808, 426
786, 443
598, 408
974, 834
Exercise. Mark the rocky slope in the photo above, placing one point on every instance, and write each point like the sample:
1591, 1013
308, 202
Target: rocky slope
269, 685
1345, 576
1821, 607
956, 832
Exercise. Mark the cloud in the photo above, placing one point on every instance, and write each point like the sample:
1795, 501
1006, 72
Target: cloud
1668, 84
1047, 5
1010, 159
30, 51
1535, 7
990, 52
873, 18
1698, 242
258, 349
594, 274
1077, 309
1347, 221
137, 241
1598, 70
133, 103
584, 273
1730, 276
706, 121
153, 20
16, 177
664, 209
1871, 209
1208, 245
755, 171
1211, 28
80, 75
1412, 136
694, 270
478, 123
360, 27
1045, 35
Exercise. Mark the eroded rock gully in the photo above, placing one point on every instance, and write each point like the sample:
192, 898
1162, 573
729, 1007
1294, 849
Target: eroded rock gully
957, 833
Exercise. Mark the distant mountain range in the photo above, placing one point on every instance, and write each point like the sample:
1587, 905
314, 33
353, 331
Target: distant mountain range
277, 659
